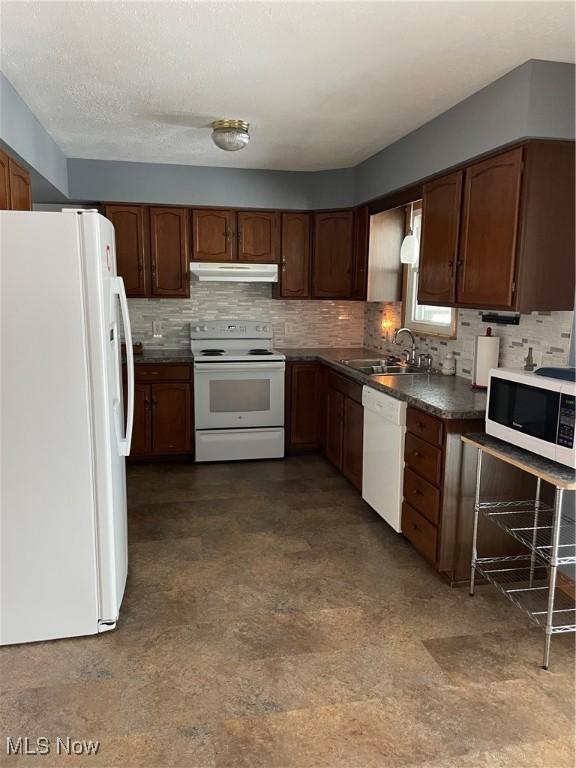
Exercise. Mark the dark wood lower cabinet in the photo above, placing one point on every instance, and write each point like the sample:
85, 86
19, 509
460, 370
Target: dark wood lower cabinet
344, 435
334, 426
163, 412
439, 482
142, 430
171, 418
303, 423
353, 442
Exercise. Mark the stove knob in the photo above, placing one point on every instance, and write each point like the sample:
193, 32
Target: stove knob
258, 329
196, 329
266, 329
205, 328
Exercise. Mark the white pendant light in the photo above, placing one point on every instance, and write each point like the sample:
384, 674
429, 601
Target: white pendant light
230, 135
410, 245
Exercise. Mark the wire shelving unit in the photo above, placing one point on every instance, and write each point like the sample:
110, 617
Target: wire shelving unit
529, 581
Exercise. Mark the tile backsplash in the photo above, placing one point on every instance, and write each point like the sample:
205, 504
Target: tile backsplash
295, 323
548, 333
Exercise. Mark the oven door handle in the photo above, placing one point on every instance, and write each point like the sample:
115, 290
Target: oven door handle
237, 367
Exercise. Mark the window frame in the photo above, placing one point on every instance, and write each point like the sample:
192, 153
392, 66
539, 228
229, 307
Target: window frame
409, 296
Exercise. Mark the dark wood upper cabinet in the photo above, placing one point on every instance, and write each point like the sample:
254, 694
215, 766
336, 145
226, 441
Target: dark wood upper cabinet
20, 188
353, 441
214, 235
171, 418
15, 186
441, 205
504, 217
333, 255
489, 232
4, 182
169, 252
361, 246
258, 236
294, 277
132, 246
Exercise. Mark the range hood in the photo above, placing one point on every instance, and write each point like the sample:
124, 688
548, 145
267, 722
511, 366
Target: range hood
233, 272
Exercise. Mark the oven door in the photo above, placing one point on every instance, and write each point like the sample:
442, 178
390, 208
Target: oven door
242, 395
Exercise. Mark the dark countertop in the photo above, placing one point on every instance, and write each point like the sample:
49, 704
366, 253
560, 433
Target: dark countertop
448, 397
164, 356
550, 471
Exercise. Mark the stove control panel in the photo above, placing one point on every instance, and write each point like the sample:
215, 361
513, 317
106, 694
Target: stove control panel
230, 329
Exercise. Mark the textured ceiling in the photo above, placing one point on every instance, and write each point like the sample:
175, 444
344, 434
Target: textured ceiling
324, 84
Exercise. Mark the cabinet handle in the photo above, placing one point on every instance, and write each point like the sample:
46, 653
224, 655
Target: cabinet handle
415, 526
420, 425
417, 492
417, 454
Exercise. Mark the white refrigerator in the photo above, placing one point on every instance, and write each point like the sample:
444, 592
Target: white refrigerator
63, 427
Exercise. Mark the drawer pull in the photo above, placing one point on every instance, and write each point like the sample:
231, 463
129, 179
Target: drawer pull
417, 454
417, 492
415, 526
420, 425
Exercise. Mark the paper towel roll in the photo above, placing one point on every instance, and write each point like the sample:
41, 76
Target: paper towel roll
486, 353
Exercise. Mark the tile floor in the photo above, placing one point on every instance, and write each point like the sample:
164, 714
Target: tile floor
272, 620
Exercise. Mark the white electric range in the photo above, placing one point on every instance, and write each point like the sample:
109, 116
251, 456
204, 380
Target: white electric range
238, 391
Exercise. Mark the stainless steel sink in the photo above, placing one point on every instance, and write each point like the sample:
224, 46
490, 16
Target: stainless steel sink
383, 367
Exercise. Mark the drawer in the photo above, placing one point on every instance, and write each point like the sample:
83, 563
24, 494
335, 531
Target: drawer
425, 426
349, 388
419, 532
424, 458
163, 372
422, 495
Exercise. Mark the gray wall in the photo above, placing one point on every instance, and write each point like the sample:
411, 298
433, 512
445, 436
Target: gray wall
189, 185
26, 137
534, 100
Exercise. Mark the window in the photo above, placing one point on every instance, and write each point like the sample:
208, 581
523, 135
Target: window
422, 318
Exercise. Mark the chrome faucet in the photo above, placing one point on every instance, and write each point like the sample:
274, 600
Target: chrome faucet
412, 359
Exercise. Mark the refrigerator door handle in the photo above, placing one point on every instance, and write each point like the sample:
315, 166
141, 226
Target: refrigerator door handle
119, 290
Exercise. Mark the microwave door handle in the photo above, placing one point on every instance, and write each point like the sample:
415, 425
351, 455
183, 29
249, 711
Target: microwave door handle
119, 290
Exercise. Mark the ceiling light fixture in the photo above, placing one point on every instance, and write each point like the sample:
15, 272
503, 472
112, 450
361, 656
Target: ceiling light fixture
230, 135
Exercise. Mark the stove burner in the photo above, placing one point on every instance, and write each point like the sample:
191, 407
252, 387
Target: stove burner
212, 352
260, 352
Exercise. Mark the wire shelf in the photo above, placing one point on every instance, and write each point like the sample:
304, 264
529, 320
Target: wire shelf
527, 587
531, 522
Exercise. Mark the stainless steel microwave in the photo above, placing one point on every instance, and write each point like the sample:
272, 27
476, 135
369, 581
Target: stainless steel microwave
533, 412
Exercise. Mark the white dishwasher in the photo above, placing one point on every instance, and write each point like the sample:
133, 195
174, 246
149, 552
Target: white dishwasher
383, 469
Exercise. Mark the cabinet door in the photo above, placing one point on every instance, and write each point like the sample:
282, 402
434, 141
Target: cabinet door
295, 256
20, 188
334, 427
131, 227
303, 420
332, 255
489, 232
171, 418
4, 182
213, 235
361, 242
258, 236
441, 204
169, 252
142, 430
353, 442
